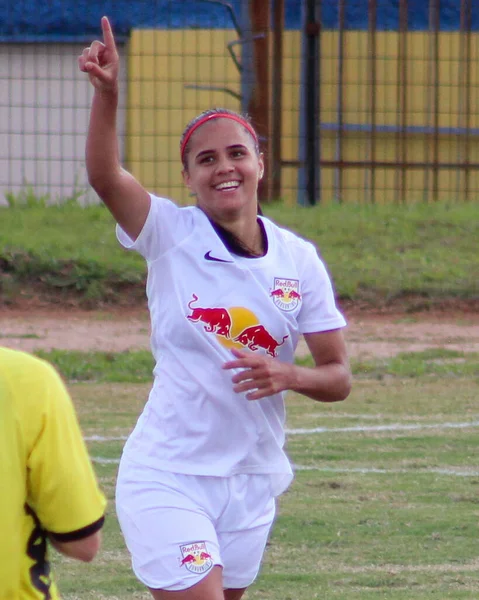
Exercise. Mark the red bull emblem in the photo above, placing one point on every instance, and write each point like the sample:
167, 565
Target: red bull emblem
285, 293
235, 327
195, 557
216, 320
257, 337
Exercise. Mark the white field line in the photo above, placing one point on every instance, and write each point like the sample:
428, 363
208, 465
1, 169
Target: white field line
394, 569
391, 427
356, 428
459, 472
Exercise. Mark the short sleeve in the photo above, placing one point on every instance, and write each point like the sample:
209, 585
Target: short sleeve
62, 488
318, 310
166, 225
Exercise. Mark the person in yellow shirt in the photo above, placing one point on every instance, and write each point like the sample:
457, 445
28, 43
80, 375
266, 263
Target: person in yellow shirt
48, 489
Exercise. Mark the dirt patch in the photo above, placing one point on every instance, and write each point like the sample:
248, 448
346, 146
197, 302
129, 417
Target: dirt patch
113, 331
380, 336
369, 334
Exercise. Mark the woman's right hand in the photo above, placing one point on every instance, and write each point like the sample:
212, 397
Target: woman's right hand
100, 61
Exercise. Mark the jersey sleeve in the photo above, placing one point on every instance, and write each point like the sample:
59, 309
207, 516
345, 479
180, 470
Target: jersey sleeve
318, 310
166, 225
62, 487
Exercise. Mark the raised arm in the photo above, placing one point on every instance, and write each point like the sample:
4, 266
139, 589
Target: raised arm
124, 196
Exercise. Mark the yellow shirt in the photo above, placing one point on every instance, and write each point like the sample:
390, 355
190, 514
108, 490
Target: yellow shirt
47, 483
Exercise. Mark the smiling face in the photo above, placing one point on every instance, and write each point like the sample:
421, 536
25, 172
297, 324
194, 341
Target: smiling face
223, 169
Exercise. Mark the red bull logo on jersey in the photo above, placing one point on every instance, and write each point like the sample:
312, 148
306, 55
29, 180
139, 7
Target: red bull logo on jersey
285, 293
235, 327
257, 337
195, 557
216, 320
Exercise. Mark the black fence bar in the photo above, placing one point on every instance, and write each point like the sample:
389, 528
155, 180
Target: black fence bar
435, 8
402, 96
466, 85
277, 97
338, 174
312, 32
372, 85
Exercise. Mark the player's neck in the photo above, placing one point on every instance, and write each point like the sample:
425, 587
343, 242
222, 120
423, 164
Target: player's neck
249, 232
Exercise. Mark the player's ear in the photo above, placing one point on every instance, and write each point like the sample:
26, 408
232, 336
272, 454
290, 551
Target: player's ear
261, 165
187, 181
186, 178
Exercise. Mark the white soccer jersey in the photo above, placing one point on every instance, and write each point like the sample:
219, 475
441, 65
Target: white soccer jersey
203, 301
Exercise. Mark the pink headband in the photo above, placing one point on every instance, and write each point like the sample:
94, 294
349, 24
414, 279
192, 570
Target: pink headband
218, 115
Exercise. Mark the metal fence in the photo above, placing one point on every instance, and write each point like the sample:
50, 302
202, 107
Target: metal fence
355, 100
405, 124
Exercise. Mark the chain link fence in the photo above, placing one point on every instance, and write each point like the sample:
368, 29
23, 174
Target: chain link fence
355, 100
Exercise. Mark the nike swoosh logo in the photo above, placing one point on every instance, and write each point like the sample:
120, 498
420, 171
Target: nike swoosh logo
213, 258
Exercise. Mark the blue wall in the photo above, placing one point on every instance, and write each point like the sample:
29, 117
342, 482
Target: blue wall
57, 20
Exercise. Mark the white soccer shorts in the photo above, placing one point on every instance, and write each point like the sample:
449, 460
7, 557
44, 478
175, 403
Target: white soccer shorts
177, 527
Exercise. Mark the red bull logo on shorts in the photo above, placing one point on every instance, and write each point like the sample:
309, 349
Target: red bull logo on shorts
285, 293
195, 557
235, 327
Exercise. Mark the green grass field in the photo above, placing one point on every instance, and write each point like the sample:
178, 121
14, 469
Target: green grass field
384, 505
377, 254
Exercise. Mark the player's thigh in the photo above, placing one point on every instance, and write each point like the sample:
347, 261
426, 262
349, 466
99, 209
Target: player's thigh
244, 530
234, 594
172, 541
242, 555
209, 588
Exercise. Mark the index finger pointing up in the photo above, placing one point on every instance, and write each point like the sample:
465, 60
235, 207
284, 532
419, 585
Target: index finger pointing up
108, 38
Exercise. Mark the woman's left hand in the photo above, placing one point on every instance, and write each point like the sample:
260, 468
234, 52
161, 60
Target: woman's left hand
261, 376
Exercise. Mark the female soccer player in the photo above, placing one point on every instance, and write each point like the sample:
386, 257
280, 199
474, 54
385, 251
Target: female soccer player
229, 293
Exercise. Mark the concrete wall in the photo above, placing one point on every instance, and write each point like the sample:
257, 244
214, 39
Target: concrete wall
44, 110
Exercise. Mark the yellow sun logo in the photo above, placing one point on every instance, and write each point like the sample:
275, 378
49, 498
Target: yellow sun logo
241, 318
